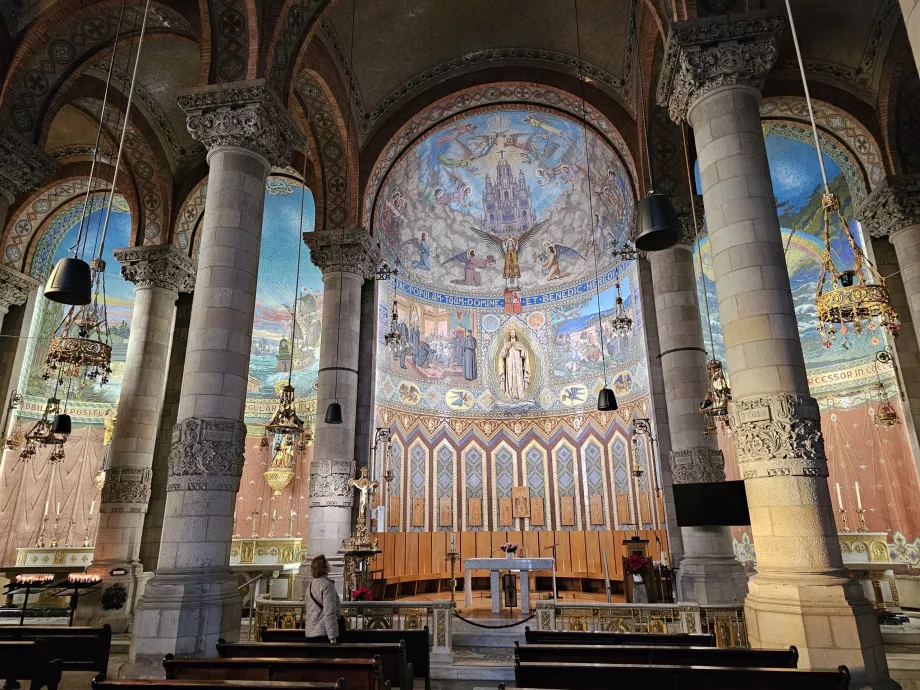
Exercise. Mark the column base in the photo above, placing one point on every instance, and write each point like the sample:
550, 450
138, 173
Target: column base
827, 618
711, 580
304, 577
91, 609
183, 613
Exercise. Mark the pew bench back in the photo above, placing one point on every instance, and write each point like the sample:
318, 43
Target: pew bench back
78, 648
29, 661
657, 655
101, 683
617, 638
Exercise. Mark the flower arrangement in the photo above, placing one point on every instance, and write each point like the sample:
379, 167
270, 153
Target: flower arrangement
509, 547
361, 594
636, 564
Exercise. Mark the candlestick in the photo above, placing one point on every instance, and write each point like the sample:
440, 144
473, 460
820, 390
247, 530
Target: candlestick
46, 508
843, 520
862, 520
839, 498
58, 513
40, 542
271, 525
54, 532
858, 497
69, 539
290, 531
453, 541
91, 506
255, 514
88, 531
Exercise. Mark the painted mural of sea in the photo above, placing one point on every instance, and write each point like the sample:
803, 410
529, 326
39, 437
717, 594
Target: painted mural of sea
261, 367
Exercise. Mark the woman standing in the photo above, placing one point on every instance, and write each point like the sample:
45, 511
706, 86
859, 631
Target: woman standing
321, 618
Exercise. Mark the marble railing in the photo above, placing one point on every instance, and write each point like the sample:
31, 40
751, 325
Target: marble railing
376, 615
726, 622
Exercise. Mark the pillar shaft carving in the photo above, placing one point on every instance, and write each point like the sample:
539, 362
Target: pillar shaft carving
161, 266
778, 436
246, 115
329, 483
126, 490
706, 54
206, 455
893, 206
697, 466
351, 252
23, 167
15, 287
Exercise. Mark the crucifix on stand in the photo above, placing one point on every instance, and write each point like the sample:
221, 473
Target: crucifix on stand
360, 547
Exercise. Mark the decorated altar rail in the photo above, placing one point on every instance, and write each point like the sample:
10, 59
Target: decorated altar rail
364, 615
726, 622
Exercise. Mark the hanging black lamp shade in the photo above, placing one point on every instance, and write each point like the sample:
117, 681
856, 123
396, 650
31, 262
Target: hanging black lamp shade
657, 225
61, 424
70, 282
606, 400
334, 413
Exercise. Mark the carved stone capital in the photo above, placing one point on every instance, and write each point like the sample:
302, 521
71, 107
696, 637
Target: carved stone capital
329, 483
15, 287
126, 490
688, 229
705, 54
161, 266
352, 252
778, 435
23, 166
245, 114
206, 455
892, 206
697, 466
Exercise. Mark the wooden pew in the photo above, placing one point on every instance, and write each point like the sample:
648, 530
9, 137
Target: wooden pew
78, 648
618, 638
358, 674
394, 666
657, 655
100, 683
418, 644
579, 676
29, 661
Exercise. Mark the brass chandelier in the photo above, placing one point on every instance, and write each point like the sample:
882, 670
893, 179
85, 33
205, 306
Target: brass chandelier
854, 299
622, 324
47, 431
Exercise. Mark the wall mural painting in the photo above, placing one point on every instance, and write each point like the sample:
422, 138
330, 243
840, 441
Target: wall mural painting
844, 377
498, 237
275, 338
25, 486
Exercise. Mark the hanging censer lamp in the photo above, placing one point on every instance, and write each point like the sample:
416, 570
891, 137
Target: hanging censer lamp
886, 415
622, 324
47, 431
853, 299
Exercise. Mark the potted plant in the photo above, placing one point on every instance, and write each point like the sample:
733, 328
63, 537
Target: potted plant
510, 548
636, 564
361, 593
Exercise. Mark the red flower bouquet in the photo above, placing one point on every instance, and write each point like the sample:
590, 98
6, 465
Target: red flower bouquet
362, 594
636, 564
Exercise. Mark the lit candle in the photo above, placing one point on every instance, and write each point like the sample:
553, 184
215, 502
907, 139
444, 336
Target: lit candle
91, 506
453, 542
839, 497
46, 508
273, 514
293, 514
858, 497
58, 508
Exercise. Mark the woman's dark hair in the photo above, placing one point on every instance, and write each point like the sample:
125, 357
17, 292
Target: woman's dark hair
319, 567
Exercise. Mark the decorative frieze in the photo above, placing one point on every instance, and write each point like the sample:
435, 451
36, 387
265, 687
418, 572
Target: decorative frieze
126, 490
778, 435
353, 251
697, 466
23, 167
206, 455
329, 483
15, 287
893, 206
161, 266
706, 54
242, 114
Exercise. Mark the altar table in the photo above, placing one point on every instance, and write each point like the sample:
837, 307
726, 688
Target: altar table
495, 565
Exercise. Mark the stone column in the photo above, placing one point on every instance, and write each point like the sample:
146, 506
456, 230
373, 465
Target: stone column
709, 572
346, 260
159, 274
911, 11
801, 594
15, 288
192, 599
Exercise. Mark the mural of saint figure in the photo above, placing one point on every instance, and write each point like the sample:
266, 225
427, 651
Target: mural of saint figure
284, 455
550, 256
514, 368
511, 247
424, 252
473, 264
469, 357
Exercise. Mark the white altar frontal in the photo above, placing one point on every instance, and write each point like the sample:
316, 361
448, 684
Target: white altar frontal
495, 566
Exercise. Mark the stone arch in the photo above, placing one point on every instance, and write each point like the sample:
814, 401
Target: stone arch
234, 42
191, 211
293, 31
60, 43
475, 98
336, 158
26, 223
850, 144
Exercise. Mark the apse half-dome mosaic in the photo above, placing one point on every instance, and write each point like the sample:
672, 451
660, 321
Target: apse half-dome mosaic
504, 254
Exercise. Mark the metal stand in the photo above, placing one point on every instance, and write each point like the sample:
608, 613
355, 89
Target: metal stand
556, 596
843, 519
453, 557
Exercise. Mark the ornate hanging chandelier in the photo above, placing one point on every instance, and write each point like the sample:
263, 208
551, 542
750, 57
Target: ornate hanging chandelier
393, 338
885, 414
43, 433
622, 324
854, 299
81, 347
715, 404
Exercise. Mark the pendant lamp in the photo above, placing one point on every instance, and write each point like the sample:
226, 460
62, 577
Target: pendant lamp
606, 400
334, 413
70, 282
61, 424
657, 224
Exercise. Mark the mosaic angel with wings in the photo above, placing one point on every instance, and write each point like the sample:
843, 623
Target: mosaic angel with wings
511, 246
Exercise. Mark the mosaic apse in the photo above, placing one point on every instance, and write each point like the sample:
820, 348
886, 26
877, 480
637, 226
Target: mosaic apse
498, 237
843, 378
